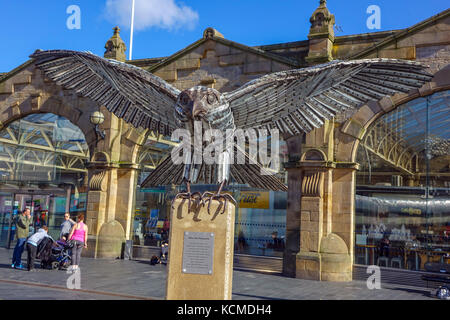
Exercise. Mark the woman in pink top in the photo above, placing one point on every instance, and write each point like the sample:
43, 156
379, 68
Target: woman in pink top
78, 235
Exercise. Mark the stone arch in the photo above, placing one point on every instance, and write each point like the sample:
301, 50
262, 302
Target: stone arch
354, 129
314, 155
100, 156
27, 91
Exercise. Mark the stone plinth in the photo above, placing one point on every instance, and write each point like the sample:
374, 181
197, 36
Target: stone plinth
189, 286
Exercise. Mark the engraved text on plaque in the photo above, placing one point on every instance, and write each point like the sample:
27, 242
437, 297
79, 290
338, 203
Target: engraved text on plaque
198, 252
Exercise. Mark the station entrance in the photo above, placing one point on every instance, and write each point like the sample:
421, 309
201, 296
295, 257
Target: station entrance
42, 168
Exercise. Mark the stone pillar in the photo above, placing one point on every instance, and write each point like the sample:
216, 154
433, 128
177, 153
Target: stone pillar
111, 198
344, 180
126, 193
308, 264
112, 186
200, 269
293, 206
96, 208
326, 221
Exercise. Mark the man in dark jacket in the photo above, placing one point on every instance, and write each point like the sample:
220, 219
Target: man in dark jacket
23, 228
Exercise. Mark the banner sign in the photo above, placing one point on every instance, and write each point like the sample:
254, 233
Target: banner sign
254, 199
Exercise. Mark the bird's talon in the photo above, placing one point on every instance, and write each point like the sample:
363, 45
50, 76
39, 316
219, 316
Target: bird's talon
223, 199
191, 197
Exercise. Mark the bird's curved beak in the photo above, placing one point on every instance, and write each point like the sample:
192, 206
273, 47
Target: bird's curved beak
197, 110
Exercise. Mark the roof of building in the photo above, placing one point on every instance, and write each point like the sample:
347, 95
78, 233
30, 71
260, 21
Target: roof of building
401, 34
294, 53
154, 64
289, 53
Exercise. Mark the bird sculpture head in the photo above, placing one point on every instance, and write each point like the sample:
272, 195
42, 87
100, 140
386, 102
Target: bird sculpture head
201, 104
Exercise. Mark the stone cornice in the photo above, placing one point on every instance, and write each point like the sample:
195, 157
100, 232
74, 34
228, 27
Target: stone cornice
399, 35
309, 164
112, 165
16, 70
254, 50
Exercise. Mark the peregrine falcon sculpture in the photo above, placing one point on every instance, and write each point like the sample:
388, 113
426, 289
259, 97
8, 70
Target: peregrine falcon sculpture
293, 101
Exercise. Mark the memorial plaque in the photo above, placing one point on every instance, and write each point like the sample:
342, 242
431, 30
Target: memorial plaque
198, 252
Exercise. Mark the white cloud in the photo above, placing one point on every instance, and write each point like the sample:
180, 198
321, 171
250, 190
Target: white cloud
164, 14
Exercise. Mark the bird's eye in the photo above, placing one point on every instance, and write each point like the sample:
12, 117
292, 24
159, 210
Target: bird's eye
211, 98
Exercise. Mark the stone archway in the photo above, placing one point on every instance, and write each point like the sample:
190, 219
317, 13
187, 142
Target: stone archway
347, 138
112, 169
321, 200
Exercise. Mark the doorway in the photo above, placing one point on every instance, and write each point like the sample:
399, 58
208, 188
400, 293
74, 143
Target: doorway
46, 209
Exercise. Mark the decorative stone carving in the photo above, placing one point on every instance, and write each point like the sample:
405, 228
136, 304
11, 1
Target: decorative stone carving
312, 184
322, 21
211, 32
321, 35
115, 47
98, 182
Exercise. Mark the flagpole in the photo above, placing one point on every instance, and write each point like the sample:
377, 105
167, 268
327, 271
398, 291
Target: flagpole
132, 28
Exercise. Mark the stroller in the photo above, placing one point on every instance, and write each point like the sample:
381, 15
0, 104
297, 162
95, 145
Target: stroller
54, 254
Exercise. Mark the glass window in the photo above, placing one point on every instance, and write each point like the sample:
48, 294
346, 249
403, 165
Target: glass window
151, 220
403, 188
260, 223
42, 167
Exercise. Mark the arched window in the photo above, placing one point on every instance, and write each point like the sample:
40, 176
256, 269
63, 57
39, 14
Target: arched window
403, 187
42, 167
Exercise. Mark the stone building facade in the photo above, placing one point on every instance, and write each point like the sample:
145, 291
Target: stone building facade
322, 166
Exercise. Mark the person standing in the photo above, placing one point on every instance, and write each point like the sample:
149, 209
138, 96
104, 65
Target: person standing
66, 226
22, 230
32, 245
78, 235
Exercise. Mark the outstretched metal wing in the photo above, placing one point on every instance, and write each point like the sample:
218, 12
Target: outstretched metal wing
131, 93
297, 101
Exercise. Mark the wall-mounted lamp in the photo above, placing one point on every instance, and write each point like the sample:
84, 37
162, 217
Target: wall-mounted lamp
97, 119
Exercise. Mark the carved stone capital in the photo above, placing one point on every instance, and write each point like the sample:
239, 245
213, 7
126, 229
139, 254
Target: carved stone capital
312, 184
98, 181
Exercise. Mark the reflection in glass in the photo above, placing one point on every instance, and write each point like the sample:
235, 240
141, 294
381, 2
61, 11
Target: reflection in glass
403, 188
42, 167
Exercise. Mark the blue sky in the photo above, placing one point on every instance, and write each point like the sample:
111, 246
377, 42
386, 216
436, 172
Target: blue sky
166, 26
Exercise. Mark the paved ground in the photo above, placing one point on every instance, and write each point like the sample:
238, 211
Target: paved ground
122, 279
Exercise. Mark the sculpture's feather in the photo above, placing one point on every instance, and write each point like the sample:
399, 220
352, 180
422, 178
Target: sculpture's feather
131, 93
297, 101
253, 174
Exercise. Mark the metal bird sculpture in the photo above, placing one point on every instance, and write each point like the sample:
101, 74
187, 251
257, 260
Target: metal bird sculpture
293, 101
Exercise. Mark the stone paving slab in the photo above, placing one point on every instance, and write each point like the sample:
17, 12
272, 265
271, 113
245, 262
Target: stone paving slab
126, 279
